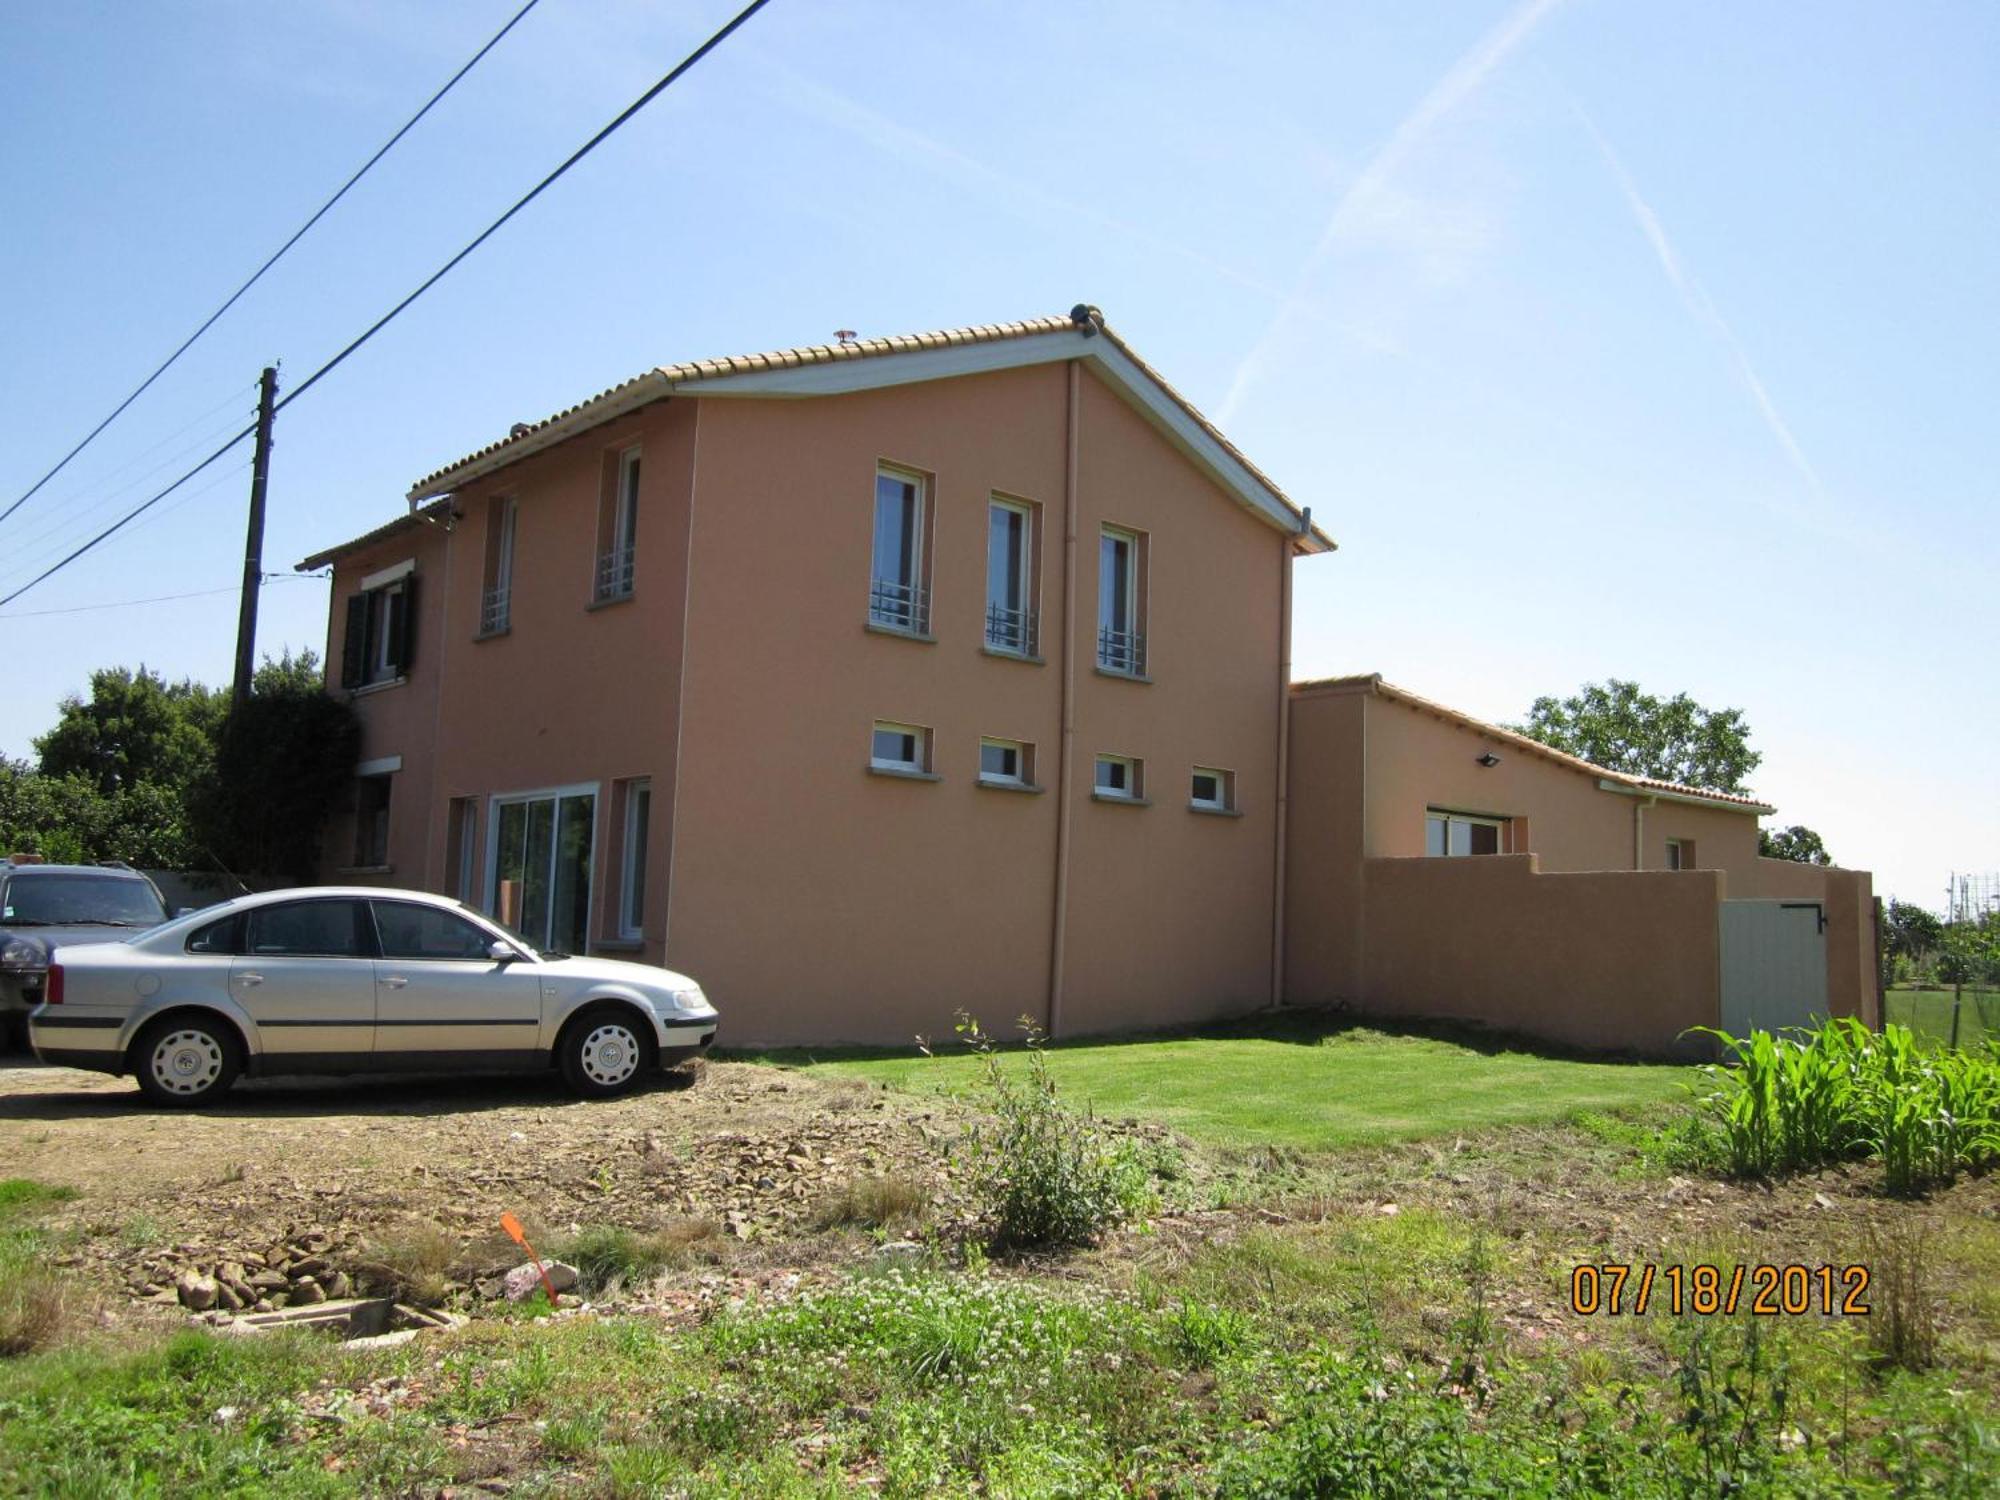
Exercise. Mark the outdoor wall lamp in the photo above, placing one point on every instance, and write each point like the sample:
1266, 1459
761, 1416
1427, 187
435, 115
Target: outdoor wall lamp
1489, 760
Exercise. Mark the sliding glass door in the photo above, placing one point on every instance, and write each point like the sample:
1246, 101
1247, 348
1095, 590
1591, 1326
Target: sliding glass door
540, 866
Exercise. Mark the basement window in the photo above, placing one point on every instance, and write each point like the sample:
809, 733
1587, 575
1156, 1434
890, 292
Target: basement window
1680, 854
1212, 790
1008, 763
1453, 834
900, 749
1120, 778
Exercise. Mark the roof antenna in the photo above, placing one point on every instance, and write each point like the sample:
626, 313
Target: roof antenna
519, 429
1087, 318
845, 335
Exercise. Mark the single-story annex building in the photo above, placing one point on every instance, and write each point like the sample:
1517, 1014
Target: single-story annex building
872, 681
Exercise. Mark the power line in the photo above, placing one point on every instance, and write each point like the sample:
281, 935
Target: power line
382, 322
258, 274
234, 588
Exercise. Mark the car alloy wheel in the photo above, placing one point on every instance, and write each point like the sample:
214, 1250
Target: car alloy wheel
187, 1063
610, 1054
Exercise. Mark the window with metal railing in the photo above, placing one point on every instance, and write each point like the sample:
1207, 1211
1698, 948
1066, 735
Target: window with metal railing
1121, 602
1010, 577
899, 596
496, 592
617, 528
614, 574
493, 616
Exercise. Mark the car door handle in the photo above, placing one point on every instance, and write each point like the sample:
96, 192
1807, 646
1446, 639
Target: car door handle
251, 978
394, 982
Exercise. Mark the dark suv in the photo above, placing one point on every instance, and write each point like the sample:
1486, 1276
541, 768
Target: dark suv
44, 906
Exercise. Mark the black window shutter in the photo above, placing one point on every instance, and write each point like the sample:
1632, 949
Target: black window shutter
354, 646
404, 640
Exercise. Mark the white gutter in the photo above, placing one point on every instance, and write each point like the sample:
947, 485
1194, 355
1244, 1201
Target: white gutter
1653, 794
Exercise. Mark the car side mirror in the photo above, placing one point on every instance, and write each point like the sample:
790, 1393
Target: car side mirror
502, 953
185, 911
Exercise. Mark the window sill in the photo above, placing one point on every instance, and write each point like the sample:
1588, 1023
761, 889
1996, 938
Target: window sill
366, 870
1215, 812
619, 945
1005, 655
876, 627
992, 785
1104, 671
1114, 799
493, 635
898, 774
609, 600
377, 687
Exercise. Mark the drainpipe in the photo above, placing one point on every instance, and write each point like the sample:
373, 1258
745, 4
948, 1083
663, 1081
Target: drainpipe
1284, 756
1066, 745
1639, 831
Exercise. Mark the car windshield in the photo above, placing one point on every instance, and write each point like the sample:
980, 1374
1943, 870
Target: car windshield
61, 899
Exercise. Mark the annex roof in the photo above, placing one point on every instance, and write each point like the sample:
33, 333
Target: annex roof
1608, 779
422, 516
867, 364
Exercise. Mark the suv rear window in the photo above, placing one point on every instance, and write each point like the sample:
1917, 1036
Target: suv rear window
63, 899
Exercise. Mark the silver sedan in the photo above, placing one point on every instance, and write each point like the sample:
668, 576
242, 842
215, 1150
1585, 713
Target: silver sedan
338, 980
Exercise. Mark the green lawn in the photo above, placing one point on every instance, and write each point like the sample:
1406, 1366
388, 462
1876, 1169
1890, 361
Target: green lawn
1307, 1087
1928, 1012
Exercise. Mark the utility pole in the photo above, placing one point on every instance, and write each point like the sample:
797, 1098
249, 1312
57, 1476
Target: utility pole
253, 544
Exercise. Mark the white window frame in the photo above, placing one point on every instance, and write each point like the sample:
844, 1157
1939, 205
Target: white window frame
1023, 579
1677, 854
1134, 789
631, 858
1133, 624
489, 901
1225, 790
625, 519
1477, 820
1023, 762
921, 737
913, 616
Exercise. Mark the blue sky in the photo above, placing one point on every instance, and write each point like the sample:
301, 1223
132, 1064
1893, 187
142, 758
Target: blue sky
1649, 341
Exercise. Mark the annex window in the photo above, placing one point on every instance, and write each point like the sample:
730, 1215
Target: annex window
1121, 602
618, 528
1212, 790
462, 837
1680, 854
380, 637
1011, 623
900, 749
371, 822
633, 839
496, 598
1008, 763
1120, 778
899, 596
1451, 833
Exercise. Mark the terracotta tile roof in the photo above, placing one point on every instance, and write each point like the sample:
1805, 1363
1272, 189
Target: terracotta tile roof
661, 381
1372, 682
422, 516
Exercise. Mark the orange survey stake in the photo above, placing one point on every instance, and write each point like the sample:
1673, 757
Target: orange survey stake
514, 1232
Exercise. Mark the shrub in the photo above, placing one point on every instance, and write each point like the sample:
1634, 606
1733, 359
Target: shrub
1045, 1174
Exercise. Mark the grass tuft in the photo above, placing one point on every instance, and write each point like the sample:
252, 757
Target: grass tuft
895, 1201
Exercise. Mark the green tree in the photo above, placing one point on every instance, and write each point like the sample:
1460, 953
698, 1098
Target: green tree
135, 728
68, 820
1617, 725
282, 760
1797, 843
1911, 932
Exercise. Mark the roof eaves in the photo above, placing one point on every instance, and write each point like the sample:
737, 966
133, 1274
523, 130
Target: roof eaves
381, 533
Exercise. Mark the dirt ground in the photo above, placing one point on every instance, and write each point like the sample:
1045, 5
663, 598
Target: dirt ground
291, 1169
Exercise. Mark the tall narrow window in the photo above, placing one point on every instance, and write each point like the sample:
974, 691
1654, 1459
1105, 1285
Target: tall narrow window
462, 836
1680, 854
898, 591
1010, 582
1121, 626
497, 597
632, 885
371, 822
618, 529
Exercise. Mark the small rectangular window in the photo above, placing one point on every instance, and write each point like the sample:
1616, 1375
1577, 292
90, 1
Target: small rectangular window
496, 598
632, 885
1006, 763
1119, 777
898, 589
1452, 835
1121, 601
900, 747
1680, 854
618, 528
1212, 790
1011, 623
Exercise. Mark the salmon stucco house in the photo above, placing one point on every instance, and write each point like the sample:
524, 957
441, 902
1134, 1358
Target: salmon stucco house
878, 680
866, 682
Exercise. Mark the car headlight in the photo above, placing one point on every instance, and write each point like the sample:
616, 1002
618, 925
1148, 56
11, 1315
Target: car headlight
690, 999
23, 956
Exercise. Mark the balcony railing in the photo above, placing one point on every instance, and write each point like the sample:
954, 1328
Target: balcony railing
1011, 629
493, 610
900, 606
1122, 651
614, 573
